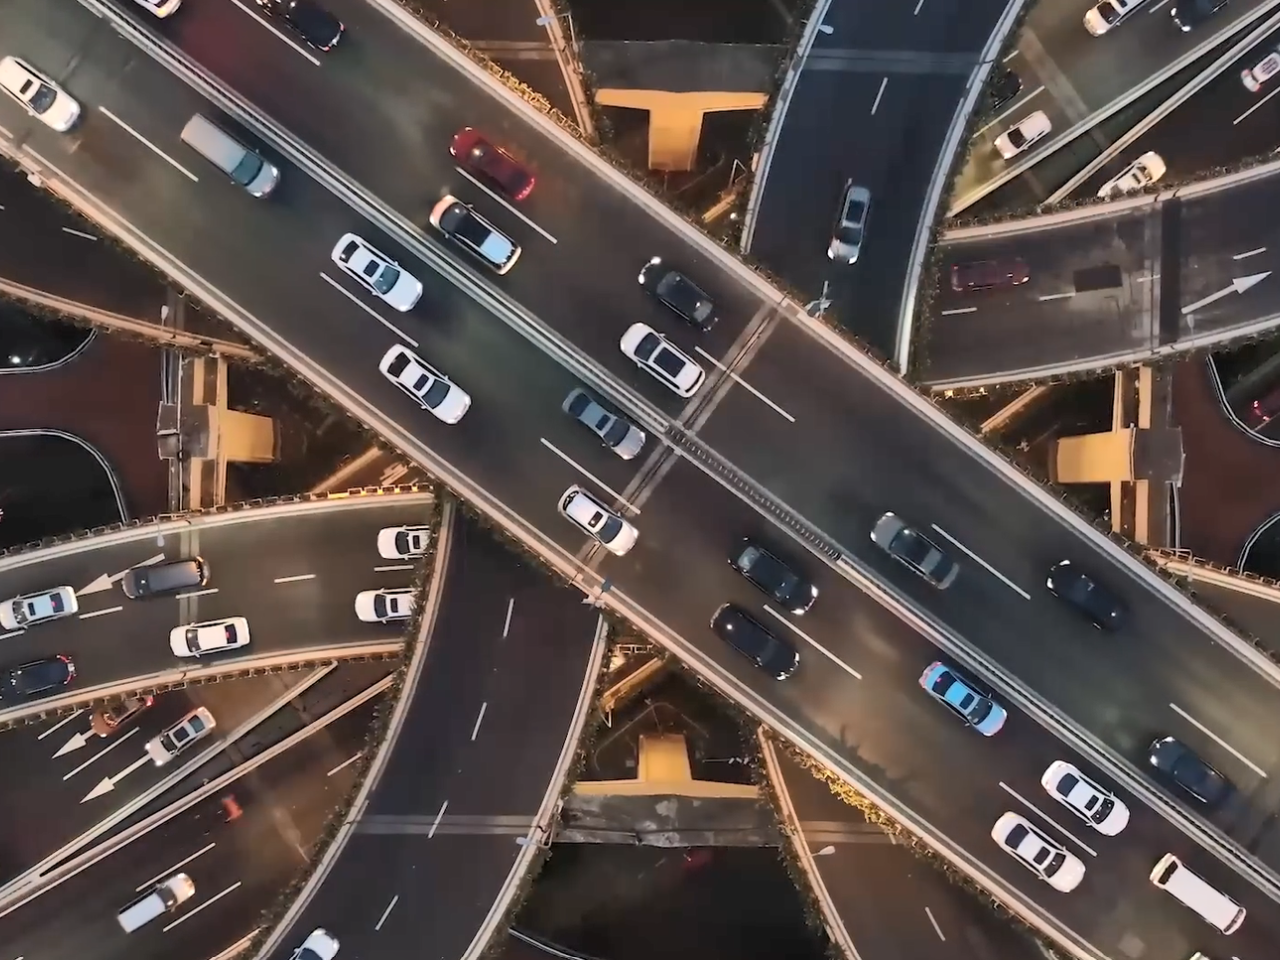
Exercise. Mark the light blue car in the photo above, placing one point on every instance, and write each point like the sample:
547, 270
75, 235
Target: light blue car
950, 688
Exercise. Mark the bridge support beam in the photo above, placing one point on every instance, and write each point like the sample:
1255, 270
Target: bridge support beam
675, 120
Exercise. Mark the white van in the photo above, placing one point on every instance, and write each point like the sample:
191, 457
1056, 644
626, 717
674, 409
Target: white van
1215, 907
230, 156
160, 899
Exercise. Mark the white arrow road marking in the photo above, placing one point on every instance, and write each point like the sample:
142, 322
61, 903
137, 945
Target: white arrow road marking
109, 783
1238, 285
107, 581
61, 723
105, 750
75, 743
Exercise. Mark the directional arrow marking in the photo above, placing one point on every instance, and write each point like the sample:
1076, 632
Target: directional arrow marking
105, 750
109, 783
1238, 285
107, 581
75, 743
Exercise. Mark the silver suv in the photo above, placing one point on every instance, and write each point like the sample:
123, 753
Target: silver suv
851, 224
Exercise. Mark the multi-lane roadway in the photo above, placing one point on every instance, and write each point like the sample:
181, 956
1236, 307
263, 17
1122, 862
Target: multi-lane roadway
805, 422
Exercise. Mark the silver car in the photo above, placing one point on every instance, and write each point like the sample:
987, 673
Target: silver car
851, 224
618, 434
913, 549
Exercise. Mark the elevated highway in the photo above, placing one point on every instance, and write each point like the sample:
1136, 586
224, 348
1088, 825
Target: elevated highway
292, 569
1250, 602
1114, 283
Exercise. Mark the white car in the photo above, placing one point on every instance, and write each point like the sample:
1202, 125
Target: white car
1096, 806
160, 8
1139, 175
429, 388
403, 543
34, 608
597, 521
39, 96
376, 272
1047, 859
1107, 14
1023, 134
319, 945
380, 606
196, 725
1261, 72
211, 636
661, 359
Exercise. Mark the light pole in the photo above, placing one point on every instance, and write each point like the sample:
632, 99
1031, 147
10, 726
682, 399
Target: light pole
548, 19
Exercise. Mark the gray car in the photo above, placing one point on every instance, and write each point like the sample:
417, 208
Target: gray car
913, 549
851, 224
621, 436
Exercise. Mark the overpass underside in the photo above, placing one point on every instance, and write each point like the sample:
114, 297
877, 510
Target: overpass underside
1249, 602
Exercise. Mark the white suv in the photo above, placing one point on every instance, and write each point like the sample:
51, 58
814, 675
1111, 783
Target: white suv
39, 96
34, 608
196, 725
1139, 175
430, 388
376, 272
1023, 134
597, 521
661, 359
1261, 72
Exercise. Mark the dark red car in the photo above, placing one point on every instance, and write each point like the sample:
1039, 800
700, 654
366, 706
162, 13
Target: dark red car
989, 274
491, 163
1263, 411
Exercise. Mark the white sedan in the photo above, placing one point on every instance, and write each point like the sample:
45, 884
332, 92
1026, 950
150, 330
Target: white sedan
38, 95
597, 521
1023, 134
1095, 805
380, 606
403, 543
376, 272
1046, 858
211, 636
1139, 175
661, 359
1261, 72
33, 608
429, 388
319, 945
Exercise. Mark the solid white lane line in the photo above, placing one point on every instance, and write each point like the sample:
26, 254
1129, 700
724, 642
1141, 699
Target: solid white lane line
295, 579
14, 633
195, 593
590, 476
385, 913
954, 310
105, 750
346, 763
936, 929
393, 566
1150, 279
744, 383
165, 874
60, 723
79, 233
503, 200
1048, 819
1157, 6
814, 643
986, 566
476, 729
100, 613
368, 309
884, 82
149, 145
436, 822
1249, 253
1009, 56
1018, 105
212, 900
919, 4
270, 26
1255, 106
1218, 740
1056, 296
511, 605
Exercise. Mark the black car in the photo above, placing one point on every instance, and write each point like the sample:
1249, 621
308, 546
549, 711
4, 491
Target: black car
771, 576
749, 637
1176, 763
679, 294
1189, 14
1002, 86
312, 22
39, 676
1100, 605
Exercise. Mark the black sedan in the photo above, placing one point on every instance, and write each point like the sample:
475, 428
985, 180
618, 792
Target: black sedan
312, 22
1103, 608
1178, 765
750, 638
678, 294
39, 676
773, 578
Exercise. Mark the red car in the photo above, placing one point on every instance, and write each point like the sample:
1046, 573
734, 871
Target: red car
989, 274
491, 163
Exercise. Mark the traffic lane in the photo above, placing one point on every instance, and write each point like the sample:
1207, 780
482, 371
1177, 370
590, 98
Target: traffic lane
286, 803
934, 25
389, 89
984, 162
38, 238
408, 895
499, 687
937, 482
891, 899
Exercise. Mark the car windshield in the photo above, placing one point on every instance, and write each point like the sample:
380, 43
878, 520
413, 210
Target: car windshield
611, 527
779, 578
849, 234
43, 97
1017, 137
912, 547
855, 211
382, 279
1055, 863
979, 708
380, 608
229, 633
669, 362
614, 432
435, 396
1109, 12
647, 345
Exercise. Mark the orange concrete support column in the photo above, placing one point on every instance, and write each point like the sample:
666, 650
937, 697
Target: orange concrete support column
1094, 458
675, 120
